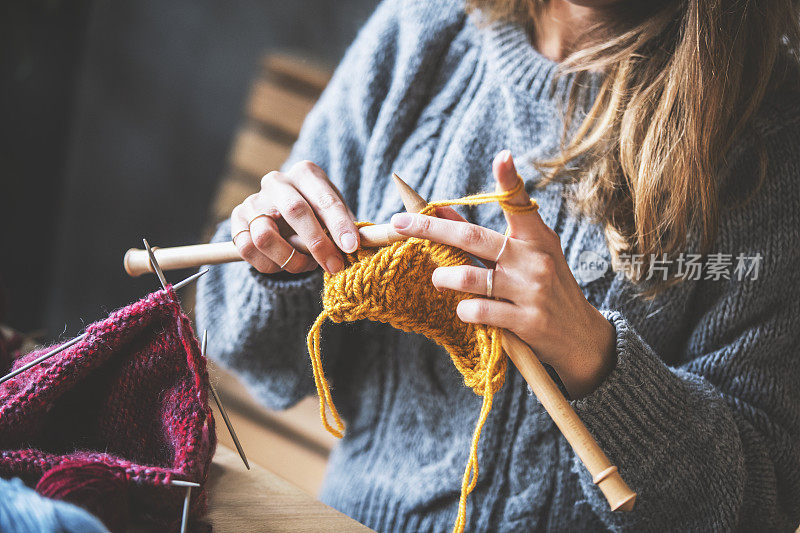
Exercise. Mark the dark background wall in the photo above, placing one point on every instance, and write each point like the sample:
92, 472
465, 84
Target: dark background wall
40, 48
117, 119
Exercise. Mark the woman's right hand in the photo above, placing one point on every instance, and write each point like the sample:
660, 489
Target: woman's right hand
300, 201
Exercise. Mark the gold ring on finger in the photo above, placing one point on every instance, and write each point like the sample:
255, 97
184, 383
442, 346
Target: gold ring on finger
239, 233
255, 217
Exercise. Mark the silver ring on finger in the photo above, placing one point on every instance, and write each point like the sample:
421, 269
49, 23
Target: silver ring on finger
288, 259
490, 282
502, 249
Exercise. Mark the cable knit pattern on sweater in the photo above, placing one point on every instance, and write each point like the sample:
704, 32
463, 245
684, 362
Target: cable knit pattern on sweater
701, 413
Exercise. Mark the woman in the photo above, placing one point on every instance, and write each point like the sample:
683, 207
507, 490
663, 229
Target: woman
649, 133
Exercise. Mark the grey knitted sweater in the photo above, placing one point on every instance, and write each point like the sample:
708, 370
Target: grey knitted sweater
701, 413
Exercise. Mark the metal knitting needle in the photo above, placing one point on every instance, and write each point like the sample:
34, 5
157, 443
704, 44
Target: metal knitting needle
163, 280
222, 409
185, 514
79, 338
182, 483
38, 360
154, 263
193, 277
186, 500
160, 273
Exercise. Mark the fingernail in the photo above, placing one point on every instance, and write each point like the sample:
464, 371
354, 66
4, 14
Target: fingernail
349, 242
401, 220
504, 156
334, 264
433, 280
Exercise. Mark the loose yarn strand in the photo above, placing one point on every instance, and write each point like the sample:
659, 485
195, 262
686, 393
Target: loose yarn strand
323, 390
392, 285
470, 479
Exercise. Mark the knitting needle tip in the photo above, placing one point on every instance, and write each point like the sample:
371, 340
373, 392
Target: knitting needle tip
154, 264
181, 483
190, 279
48, 355
222, 411
229, 425
413, 202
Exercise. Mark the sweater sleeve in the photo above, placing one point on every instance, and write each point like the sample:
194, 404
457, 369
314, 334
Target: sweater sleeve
714, 443
258, 323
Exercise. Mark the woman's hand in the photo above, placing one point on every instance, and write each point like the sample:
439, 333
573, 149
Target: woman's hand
298, 202
539, 299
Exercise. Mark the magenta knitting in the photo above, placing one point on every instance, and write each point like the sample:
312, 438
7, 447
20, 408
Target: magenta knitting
132, 396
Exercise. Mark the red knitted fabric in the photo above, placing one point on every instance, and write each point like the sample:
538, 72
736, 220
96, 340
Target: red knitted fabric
132, 395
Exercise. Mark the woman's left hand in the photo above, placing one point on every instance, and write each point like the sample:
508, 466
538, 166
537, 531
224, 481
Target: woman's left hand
539, 298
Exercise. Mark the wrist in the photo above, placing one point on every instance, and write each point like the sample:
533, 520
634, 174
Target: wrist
589, 364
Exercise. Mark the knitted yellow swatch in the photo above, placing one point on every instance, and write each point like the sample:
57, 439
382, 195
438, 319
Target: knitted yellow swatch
393, 285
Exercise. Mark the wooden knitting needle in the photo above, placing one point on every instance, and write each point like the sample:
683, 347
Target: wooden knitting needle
604, 474
413, 202
222, 410
186, 500
138, 262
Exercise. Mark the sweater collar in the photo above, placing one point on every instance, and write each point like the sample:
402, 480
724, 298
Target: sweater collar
515, 62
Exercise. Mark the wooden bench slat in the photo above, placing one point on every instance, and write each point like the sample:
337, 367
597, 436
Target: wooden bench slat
278, 107
256, 155
298, 69
231, 193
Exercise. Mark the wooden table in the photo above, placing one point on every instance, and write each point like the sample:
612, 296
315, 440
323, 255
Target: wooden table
257, 500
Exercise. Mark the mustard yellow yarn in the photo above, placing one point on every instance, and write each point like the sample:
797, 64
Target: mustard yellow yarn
393, 285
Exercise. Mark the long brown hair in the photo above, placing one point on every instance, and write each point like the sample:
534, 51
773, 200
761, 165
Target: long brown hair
682, 80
